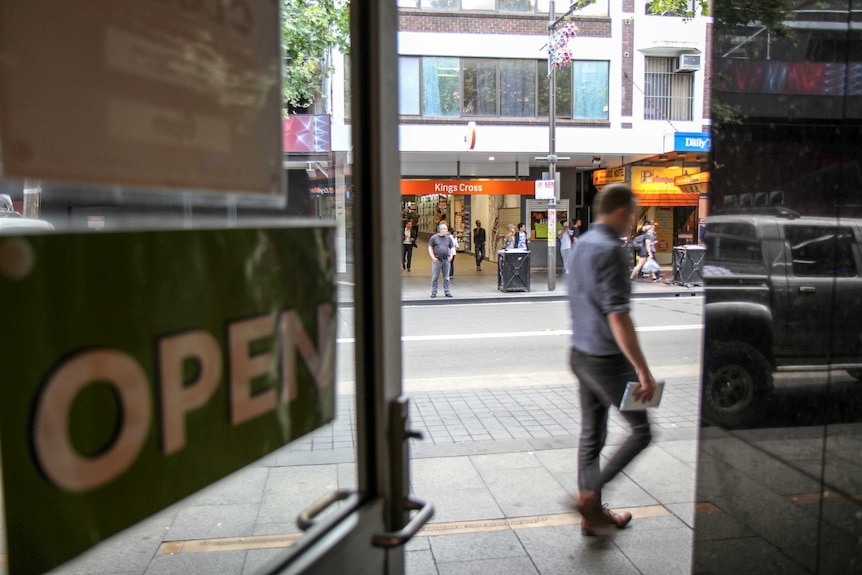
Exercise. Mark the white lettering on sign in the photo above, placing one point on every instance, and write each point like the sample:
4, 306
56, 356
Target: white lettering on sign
55, 452
178, 396
701, 143
442, 188
67, 468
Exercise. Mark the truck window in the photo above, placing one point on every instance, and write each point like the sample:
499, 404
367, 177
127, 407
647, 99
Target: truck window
734, 246
821, 250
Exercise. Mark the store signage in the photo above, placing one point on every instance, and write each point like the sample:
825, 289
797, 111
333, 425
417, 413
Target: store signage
545, 190
692, 142
167, 94
307, 133
467, 187
141, 367
694, 183
609, 176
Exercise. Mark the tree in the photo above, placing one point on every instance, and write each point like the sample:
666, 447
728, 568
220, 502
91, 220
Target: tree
729, 14
309, 30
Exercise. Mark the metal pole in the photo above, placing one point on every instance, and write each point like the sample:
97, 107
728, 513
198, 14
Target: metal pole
552, 148
32, 198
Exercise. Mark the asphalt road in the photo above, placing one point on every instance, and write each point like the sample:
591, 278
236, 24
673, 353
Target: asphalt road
472, 345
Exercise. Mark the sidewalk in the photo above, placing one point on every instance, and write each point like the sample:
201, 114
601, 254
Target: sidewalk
498, 464
481, 286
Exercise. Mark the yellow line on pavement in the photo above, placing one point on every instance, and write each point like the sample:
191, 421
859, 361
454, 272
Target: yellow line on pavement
433, 530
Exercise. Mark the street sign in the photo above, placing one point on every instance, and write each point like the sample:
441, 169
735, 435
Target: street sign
545, 190
141, 367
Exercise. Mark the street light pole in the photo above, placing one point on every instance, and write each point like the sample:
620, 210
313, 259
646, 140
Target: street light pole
552, 151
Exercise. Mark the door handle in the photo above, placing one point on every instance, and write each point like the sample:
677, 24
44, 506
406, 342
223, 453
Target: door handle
807, 289
406, 533
305, 520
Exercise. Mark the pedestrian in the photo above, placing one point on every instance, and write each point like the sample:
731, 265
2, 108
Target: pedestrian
407, 245
479, 243
454, 239
565, 237
441, 251
652, 266
522, 240
509, 239
605, 354
576, 230
642, 250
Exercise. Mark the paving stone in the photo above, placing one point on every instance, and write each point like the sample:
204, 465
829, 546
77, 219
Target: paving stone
476, 546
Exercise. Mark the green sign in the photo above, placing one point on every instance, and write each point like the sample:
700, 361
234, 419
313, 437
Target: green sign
140, 367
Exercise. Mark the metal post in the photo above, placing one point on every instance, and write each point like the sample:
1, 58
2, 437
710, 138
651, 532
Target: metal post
32, 198
552, 147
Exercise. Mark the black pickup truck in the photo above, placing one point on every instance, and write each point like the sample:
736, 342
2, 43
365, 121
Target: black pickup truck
783, 293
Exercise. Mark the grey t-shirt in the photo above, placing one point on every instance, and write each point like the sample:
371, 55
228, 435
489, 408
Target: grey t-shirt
440, 245
598, 287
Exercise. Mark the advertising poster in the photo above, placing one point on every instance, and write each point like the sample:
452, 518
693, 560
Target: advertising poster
664, 230
140, 367
169, 94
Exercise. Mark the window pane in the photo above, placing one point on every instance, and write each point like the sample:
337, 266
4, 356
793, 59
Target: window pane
489, 5
733, 248
517, 88
408, 86
441, 82
591, 90
480, 88
515, 5
667, 95
821, 251
408, 3
564, 90
440, 4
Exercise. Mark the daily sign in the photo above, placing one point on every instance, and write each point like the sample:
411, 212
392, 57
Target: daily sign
141, 367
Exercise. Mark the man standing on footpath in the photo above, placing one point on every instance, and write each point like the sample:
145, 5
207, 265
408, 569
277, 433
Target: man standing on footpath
479, 243
441, 251
605, 354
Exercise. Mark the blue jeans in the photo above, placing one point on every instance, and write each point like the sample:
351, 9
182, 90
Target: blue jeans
602, 381
480, 255
436, 268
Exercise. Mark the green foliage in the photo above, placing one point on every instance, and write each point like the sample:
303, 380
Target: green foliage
730, 14
309, 30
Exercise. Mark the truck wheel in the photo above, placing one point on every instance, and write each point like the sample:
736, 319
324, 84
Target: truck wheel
736, 377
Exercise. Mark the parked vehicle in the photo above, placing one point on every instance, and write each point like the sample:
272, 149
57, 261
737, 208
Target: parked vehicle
783, 293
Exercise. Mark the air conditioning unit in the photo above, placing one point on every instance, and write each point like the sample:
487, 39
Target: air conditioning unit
688, 63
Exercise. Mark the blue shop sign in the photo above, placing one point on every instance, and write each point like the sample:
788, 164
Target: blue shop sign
692, 142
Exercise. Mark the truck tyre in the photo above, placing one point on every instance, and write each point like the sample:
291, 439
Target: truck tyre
736, 378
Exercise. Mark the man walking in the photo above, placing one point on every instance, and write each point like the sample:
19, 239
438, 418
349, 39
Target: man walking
441, 251
605, 354
479, 242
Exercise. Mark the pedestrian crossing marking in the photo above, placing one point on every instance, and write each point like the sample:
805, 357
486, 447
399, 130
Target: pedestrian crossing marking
286, 540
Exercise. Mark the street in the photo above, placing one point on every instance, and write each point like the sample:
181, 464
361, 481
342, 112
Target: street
490, 345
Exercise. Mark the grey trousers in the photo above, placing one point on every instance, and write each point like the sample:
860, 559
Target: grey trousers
602, 383
436, 268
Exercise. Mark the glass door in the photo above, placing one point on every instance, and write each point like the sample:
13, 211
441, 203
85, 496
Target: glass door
219, 382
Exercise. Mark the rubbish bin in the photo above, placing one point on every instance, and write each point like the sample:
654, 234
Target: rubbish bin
513, 270
688, 265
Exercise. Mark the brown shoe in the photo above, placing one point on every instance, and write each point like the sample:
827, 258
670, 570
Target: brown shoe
598, 519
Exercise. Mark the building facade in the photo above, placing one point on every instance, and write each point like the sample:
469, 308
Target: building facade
473, 98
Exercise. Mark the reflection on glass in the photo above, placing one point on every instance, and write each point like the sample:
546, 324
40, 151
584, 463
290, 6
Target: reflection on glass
441, 87
517, 88
591, 90
480, 88
778, 471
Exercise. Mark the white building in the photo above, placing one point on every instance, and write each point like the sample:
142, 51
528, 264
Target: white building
626, 92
